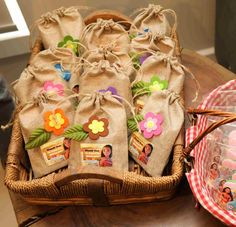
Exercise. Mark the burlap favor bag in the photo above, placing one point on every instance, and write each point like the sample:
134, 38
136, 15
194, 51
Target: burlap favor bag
148, 41
61, 25
158, 72
160, 122
111, 54
42, 122
103, 76
63, 61
154, 18
99, 135
50, 68
105, 32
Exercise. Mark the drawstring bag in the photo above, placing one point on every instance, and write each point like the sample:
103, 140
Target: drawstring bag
49, 70
42, 122
113, 56
106, 32
62, 27
160, 122
159, 72
97, 135
148, 41
63, 61
105, 76
154, 18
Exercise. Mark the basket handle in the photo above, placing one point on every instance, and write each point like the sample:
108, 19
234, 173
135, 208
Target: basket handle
228, 118
88, 172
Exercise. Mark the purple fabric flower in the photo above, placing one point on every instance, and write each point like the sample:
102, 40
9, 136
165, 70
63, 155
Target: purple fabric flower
112, 90
151, 125
144, 57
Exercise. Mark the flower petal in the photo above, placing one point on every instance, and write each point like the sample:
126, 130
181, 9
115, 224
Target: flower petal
147, 135
149, 114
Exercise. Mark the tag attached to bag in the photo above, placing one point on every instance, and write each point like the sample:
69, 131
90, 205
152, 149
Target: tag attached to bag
56, 151
100, 128
96, 154
140, 148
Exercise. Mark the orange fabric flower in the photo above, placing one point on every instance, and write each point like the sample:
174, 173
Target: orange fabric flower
55, 122
96, 127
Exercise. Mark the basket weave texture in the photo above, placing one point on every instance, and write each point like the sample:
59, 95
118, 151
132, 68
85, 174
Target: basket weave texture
87, 187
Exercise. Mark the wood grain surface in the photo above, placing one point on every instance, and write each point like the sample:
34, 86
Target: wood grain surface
178, 211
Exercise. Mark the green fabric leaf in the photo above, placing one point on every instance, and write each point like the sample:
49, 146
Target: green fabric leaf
131, 123
140, 86
38, 137
76, 133
135, 60
60, 44
68, 38
139, 117
132, 36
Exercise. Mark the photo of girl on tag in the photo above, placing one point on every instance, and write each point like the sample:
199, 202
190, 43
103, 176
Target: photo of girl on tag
146, 152
96, 154
106, 156
140, 148
66, 144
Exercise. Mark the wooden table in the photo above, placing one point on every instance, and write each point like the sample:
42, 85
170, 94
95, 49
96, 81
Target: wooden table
179, 211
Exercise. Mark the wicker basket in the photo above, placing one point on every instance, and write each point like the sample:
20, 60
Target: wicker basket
88, 186
197, 151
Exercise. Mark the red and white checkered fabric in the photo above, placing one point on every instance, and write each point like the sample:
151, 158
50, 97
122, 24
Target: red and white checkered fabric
197, 176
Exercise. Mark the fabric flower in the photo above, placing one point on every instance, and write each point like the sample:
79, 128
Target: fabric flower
55, 121
52, 88
143, 58
138, 60
65, 74
156, 84
96, 127
70, 43
112, 90
151, 125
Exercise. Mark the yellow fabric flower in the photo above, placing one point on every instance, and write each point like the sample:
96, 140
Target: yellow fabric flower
96, 126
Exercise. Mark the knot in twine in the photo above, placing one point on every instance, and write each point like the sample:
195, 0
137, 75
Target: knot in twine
158, 37
42, 98
155, 8
106, 24
104, 64
47, 18
60, 12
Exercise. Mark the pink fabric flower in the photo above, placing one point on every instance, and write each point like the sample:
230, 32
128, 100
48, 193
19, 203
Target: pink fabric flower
151, 125
52, 88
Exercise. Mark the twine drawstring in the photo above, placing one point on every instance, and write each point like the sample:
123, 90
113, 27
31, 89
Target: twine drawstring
142, 91
157, 9
132, 109
197, 85
10, 122
174, 27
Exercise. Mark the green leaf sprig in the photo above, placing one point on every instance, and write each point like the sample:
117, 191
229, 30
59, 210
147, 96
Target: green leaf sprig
38, 137
131, 123
76, 133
